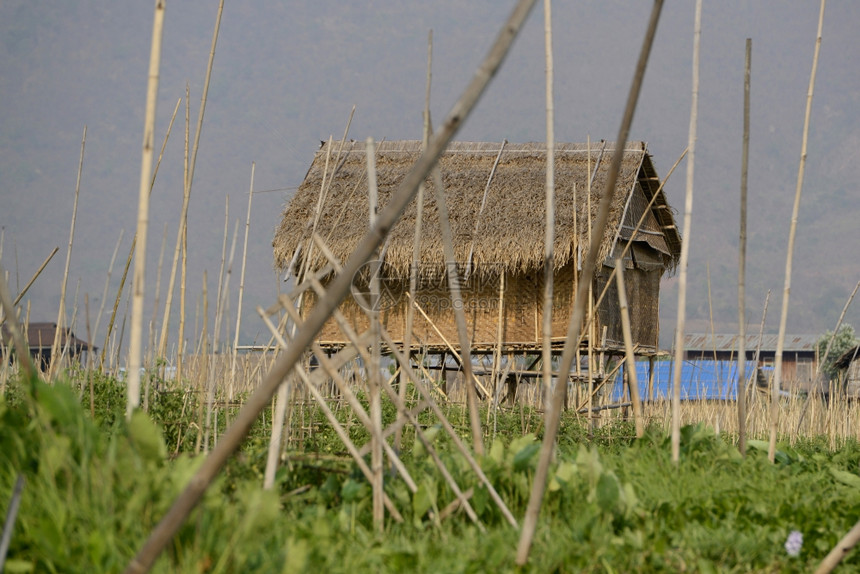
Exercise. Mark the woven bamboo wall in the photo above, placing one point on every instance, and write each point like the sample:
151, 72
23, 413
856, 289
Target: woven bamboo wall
522, 312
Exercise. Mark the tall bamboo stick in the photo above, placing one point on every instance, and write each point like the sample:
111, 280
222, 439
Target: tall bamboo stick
180, 233
180, 344
134, 243
780, 343
553, 411
742, 259
373, 381
685, 247
241, 284
21, 350
107, 283
630, 365
459, 313
416, 240
549, 231
35, 275
338, 289
143, 211
61, 313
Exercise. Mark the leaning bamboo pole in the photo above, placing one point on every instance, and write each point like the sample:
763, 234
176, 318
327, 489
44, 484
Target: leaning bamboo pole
180, 233
21, 350
416, 240
34, 277
553, 411
685, 247
742, 259
241, 285
780, 343
138, 285
61, 313
630, 365
549, 230
107, 283
180, 344
134, 243
459, 313
338, 288
373, 378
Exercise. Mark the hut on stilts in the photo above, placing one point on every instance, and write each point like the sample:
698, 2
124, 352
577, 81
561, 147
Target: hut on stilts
495, 194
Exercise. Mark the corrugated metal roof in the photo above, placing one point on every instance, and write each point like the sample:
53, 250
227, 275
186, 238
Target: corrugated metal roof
700, 380
729, 342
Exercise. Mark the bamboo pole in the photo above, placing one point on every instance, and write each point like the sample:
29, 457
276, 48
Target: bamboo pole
107, 283
216, 338
61, 313
685, 247
338, 289
632, 382
180, 233
241, 284
553, 412
780, 343
742, 258
132, 248
549, 230
375, 357
459, 313
180, 346
138, 283
835, 556
416, 241
21, 350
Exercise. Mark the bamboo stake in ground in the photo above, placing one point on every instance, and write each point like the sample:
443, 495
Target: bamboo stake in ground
685, 247
553, 411
848, 542
780, 343
61, 314
742, 258
241, 284
374, 363
21, 350
459, 313
338, 289
143, 212
632, 380
33, 278
180, 345
416, 241
549, 236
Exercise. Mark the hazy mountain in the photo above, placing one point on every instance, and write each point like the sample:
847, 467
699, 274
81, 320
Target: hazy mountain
287, 74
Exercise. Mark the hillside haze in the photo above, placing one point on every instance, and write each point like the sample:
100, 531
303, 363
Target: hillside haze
286, 76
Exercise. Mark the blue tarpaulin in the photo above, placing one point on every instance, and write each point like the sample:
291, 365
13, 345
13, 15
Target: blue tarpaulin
700, 380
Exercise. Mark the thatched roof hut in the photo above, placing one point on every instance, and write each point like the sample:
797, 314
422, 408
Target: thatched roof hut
495, 194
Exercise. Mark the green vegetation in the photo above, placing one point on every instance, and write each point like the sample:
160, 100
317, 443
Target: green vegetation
96, 487
844, 339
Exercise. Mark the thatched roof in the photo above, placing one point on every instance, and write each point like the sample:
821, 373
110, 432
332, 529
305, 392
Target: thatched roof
507, 231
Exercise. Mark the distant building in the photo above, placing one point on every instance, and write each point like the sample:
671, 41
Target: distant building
799, 355
40, 339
